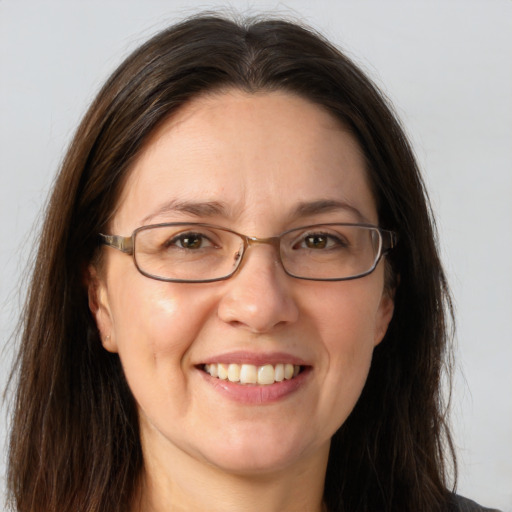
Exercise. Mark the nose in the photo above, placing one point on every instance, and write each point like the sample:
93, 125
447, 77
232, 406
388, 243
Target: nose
258, 297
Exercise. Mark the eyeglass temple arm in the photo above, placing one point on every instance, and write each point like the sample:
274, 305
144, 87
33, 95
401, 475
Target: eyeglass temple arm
390, 239
122, 243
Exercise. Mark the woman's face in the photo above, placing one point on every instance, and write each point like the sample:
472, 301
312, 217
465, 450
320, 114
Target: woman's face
258, 164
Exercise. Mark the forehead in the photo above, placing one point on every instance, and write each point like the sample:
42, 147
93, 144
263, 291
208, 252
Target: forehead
249, 152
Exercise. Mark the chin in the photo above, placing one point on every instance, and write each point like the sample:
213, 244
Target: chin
259, 454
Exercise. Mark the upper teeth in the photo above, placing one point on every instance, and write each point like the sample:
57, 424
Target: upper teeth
252, 374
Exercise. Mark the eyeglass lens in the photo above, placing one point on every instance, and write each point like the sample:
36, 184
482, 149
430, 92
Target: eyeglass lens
195, 252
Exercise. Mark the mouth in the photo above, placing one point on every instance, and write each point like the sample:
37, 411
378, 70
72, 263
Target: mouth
244, 374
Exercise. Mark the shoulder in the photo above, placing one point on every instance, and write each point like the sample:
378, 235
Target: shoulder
460, 504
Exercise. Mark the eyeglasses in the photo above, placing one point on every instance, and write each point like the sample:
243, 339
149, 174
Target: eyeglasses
202, 253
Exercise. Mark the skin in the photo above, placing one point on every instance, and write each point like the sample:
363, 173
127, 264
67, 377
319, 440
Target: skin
260, 155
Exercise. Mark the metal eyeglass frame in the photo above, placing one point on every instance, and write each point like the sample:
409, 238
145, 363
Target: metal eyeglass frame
126, 244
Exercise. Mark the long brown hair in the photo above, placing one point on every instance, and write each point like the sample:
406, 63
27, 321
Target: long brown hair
75, 442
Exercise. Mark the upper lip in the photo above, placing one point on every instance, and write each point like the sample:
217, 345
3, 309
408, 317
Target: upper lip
255, 358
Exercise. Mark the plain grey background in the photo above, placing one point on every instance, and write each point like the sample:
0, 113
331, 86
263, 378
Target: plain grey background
446, 65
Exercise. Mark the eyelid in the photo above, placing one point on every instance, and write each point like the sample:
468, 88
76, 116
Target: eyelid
320, 229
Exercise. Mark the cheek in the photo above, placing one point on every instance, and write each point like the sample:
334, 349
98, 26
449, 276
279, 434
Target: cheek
346, 315
156, 315
155, 325
348, 336
346, 321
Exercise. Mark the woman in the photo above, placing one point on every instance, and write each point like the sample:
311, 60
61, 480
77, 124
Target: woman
238, 301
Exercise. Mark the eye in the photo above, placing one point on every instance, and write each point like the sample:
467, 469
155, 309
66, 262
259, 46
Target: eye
190, 241
319, 241
316, 241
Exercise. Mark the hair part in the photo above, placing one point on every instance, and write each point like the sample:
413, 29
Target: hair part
75, 441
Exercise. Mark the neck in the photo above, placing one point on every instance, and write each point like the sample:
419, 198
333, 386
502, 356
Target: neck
178, 482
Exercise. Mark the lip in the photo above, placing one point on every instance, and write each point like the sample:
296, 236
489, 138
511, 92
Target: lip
257, 359
256, 394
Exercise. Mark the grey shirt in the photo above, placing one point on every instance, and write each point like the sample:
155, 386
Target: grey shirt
464, 505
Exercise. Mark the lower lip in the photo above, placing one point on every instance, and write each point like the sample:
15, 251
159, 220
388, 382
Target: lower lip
257, 394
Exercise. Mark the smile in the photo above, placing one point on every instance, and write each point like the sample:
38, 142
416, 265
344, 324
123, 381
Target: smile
251, 374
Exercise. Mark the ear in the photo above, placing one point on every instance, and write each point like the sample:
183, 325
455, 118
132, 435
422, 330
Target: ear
100, 308
384, 315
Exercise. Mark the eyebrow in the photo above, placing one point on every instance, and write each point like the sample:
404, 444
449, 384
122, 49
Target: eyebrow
198, 209
216, 208
310, 208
